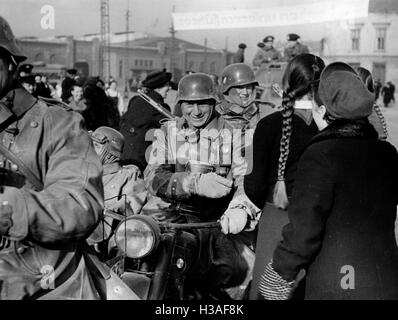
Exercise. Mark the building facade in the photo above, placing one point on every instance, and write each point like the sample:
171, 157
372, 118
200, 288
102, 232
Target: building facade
370, 42
129, 61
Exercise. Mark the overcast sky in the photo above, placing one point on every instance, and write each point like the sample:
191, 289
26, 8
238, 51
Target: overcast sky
78, 17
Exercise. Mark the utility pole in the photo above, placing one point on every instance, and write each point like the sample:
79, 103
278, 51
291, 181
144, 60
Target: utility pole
127, 56
105, 66
205, 57
172, 49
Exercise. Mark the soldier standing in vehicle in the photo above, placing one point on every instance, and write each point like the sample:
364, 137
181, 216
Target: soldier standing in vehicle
124, 188
267, 53
44, 221
194, 165
294, 47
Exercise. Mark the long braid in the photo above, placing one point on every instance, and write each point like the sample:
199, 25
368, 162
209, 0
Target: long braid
300, 79
280, 194
381, 117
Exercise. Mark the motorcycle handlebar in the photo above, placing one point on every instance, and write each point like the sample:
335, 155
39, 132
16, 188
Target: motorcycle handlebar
192, 225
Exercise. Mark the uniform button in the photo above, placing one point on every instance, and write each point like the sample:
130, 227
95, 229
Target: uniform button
34, 124
14, 167
21, 250
113, 186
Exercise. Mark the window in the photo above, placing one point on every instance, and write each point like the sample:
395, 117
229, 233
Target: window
136, 63
355, 39
381, 39
150, 63
202, 66
121, 69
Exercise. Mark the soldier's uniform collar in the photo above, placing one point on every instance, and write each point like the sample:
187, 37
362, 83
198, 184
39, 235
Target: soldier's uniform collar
191, 134
15, 103
235, 111
111, 168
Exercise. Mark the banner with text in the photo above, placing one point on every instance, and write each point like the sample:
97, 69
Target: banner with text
321, 11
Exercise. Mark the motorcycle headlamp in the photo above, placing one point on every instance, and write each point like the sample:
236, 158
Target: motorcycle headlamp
137, 236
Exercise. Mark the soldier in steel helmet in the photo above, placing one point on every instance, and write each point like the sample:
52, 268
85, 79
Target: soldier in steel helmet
124, 188
44, 222
194, 165
239, 106
240, 109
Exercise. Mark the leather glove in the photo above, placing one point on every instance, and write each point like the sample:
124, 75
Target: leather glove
211, 185
233, 220
5, 218
272, 286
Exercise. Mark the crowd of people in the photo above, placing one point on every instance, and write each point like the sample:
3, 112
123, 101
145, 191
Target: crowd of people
298, 191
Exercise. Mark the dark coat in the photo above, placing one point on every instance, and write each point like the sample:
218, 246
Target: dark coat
342, 213
259, 184
67, 85
135, 123
387, 94
261, 180
100, 111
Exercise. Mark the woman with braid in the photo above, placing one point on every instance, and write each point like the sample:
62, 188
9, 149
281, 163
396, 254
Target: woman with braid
278, 142
376, 118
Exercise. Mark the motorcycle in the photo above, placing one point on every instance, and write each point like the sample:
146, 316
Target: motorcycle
160, 260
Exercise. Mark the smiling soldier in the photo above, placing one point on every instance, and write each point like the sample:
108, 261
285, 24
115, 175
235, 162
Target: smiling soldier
194, 165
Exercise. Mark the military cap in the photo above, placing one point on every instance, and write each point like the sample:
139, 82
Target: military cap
26, 68
242, 46
72, 71
28, 79
157, 79
268, 39
8, 42
292, 37
260, 45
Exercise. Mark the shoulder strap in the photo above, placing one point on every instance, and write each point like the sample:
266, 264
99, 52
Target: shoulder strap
30, 176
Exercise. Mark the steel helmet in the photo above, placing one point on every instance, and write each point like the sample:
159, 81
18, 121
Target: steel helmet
196, 86
237, 74
113, 139
8, 42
